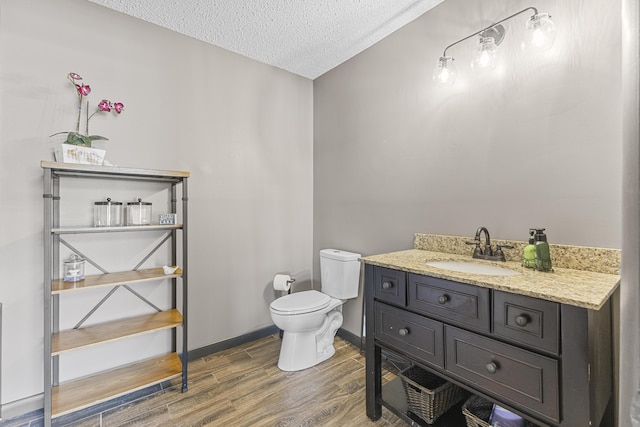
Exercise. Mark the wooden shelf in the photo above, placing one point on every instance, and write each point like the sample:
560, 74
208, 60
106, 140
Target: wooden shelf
87, 391
73, 339
127, 173
119, 229
112, 279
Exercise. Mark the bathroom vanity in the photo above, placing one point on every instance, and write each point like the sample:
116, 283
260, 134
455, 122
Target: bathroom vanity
537, 343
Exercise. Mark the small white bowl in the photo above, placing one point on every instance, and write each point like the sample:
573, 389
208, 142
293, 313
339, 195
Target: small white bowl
169, 270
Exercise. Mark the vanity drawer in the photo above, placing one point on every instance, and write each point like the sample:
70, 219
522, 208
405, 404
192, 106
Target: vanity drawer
390, 285
516, 375
416, 335
464, 304
529, 321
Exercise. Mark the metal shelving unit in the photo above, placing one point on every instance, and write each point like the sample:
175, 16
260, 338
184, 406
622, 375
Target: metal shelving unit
64, 398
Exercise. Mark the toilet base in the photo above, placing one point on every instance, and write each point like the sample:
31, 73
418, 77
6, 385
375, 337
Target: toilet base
302, 350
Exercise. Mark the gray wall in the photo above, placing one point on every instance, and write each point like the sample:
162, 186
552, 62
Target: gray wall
535, 143
243, 129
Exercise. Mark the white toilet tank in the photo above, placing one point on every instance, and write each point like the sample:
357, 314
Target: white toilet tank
339, 273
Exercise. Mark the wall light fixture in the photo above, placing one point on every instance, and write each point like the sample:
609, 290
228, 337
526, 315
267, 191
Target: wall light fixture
540, 35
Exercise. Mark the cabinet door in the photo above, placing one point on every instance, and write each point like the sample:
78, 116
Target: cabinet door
511, 373
417, 336
390, 286
464, 304
529, 321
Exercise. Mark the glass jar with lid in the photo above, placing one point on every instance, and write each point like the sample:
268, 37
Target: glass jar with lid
73, 268
107, 214
139, 213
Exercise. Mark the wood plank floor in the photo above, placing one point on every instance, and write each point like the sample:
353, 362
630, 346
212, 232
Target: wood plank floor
243, 386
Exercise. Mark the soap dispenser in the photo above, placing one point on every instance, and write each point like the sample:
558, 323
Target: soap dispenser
543, 255
529, 255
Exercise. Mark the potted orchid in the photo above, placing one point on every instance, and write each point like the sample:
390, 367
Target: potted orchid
82, 90
77, 148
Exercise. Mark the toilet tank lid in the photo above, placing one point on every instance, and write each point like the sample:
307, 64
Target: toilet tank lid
339, 255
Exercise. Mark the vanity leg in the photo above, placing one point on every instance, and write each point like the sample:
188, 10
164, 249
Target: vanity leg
374, 384
373, 360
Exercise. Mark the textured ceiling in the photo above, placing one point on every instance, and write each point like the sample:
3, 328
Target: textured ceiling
305, 37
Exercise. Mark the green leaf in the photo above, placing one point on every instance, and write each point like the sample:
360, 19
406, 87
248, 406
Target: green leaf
75, 138
97, 138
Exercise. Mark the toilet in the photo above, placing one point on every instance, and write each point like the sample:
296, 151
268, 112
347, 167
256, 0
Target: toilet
310, 319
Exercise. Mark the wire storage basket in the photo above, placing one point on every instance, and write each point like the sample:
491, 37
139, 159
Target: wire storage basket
477, 412
429, 396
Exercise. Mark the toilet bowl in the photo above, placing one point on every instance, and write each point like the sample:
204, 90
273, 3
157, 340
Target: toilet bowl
310, 319
308, 333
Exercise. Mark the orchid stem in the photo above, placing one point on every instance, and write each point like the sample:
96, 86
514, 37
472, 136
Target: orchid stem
88, 117
79, 113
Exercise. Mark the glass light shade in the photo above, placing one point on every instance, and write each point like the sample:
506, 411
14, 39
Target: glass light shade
445, 72
540, 34
485, 57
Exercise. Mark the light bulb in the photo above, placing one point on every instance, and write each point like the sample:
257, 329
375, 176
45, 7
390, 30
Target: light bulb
445, 72
485, 57
540, 34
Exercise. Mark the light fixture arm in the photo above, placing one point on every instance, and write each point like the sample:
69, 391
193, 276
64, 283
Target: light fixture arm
535, 11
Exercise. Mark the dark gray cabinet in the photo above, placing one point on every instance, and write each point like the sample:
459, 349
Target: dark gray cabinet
549, 362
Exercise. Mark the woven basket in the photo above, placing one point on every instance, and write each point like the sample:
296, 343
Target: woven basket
428, 395
477, 412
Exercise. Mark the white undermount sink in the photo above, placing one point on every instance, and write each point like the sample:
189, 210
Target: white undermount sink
472, 267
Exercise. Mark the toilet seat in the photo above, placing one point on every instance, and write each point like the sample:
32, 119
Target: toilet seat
301, 302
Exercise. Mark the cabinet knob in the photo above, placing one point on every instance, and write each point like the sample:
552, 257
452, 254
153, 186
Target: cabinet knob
403, 332
387, 285
492, 367
442, 299
522, 320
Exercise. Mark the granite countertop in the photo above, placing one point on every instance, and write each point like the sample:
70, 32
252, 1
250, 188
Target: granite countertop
579, 288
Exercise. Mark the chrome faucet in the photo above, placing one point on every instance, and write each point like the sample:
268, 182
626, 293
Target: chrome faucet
487, 253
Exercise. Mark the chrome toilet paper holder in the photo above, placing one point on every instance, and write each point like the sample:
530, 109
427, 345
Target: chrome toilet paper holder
290, 282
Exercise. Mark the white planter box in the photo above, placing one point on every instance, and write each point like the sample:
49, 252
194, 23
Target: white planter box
68, 153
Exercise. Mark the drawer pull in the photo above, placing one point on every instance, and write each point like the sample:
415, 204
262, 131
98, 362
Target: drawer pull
492, 367
522, 320
443, 299
403, 332
387, 285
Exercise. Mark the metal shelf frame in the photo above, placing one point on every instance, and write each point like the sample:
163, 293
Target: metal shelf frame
52, 174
